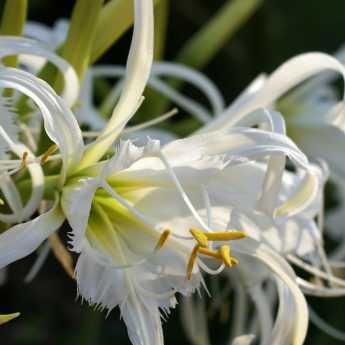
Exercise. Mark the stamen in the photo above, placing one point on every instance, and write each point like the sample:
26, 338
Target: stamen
199, 237
2, 202
209, 252
224, 252
163, 238
52, 149
191, 262
225, 236
24, 162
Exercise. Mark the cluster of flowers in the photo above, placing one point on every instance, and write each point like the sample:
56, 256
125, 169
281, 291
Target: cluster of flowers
149, 213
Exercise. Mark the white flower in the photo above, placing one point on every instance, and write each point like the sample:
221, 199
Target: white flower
143, 220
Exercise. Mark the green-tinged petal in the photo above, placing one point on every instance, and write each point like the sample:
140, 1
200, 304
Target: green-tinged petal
22, 239
14, 46
138, 71
59, 122
8, 317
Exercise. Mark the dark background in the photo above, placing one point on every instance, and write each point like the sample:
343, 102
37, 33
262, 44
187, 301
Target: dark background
279, 30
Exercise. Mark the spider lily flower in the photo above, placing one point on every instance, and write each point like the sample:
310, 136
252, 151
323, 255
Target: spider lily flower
144, 220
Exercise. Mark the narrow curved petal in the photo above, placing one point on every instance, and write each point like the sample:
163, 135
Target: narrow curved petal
18, 45
283, 272
194, 77
234, 143
22, 239
287, 76
51, 36
10, 191
138, 71
59, 122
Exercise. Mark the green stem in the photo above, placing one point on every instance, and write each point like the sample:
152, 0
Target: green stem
115, 19
82, 32
77, 47
161, 26
12, 23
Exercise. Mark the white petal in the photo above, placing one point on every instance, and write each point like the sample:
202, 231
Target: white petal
18, 45
282, 271
138, 71
10, 191
107, 287
244, 340
235, 143
99, 285
288, 75
22, 239
59, 121
76, 202
142, 320
51, 36
140, 137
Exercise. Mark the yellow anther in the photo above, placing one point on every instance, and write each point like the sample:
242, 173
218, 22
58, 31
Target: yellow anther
210, 253
24, 160
8, 317
2, 202
199, 236
52, 149
225, 236
191, 262
162, 239
224, 252
234, 261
